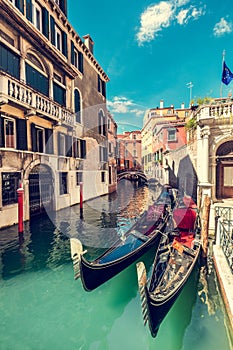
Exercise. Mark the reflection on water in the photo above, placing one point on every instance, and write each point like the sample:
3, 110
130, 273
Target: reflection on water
43, 307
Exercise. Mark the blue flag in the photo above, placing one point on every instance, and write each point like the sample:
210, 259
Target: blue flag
227, 76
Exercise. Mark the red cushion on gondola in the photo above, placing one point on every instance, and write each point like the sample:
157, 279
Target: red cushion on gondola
184, 218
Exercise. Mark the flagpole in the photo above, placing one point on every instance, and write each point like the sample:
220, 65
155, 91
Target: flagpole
223, 59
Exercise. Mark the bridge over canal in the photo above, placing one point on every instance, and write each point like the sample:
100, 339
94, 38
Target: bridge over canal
132, 175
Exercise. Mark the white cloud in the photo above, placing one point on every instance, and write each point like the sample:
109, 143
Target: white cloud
159, 16
182, 16
190, 13
121, 104
222, 27
196, 13
153, 20
180, 3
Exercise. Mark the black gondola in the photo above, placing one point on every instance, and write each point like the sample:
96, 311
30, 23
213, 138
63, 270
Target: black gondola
177, 254
144, 234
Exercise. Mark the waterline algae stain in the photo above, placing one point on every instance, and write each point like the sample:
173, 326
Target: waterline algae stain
42, 306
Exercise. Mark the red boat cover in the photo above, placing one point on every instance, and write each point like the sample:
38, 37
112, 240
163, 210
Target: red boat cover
184, 218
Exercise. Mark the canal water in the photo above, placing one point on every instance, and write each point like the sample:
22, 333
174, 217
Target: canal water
42, 307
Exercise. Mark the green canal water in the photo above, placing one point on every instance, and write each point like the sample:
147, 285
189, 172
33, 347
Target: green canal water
42, 307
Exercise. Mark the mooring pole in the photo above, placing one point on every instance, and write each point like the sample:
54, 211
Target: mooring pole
81, 200
20, 193
205, 225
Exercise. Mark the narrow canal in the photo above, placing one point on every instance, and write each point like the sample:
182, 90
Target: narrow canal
42, 307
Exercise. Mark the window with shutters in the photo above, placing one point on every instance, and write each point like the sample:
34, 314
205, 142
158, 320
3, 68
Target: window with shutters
13, 133
59, 94
103, 153
102, 123
9, 131
9, 61
58, 38
101, 86
79, 148
37, 15
171, 134
10, 184
59, 88
36, 76
40, 139
76, 57
17, 3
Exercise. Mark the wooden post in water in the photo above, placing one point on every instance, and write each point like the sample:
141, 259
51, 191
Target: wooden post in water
20, 193
205, 225
81, 200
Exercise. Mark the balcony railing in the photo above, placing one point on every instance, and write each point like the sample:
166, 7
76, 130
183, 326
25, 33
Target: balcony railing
224, 234
221, 110
11, 90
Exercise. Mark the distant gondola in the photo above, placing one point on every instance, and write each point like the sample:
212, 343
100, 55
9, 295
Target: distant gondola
177, 254
145, 233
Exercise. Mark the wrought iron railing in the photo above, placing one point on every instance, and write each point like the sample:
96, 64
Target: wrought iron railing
226, 213
224, 235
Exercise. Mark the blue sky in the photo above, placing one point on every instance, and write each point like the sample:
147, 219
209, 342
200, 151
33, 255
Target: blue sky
151, 50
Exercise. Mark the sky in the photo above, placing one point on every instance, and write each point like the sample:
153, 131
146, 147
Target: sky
153, 50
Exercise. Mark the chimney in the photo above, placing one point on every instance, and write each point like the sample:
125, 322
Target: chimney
161, 104
88, 42
182, 105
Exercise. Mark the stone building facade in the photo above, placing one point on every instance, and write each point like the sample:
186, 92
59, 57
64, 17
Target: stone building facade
53, 115
163, 132
129, 157
112, 154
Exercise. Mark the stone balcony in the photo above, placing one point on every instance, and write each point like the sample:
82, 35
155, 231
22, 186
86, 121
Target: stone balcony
12, 91
220, 111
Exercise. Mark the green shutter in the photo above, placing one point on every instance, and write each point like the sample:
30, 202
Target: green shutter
83, 149
21, 132
104, 126
72, 52
64, 44
33, 138
45, 22
103, 88
80, 61
29, 10
63, 6
2, 137
52, 30
9, 61
19, 5
99, 82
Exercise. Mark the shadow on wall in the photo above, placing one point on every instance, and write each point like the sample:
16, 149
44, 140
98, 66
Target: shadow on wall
186, 178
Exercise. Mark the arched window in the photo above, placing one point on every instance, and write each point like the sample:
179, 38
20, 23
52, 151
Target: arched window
77, 106
36, 76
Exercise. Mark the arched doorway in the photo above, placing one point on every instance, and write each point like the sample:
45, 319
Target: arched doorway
40, 190
224, 175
